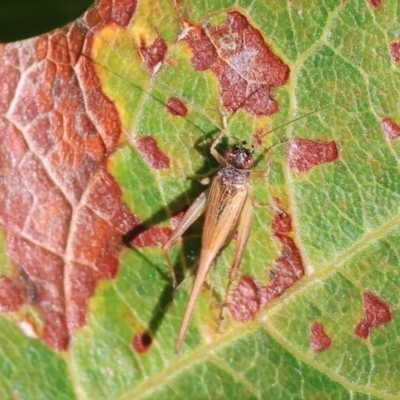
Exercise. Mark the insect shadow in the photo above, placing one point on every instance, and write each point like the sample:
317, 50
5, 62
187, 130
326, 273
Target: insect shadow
228, 205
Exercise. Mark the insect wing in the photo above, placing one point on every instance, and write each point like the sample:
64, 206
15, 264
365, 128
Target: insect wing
225, 203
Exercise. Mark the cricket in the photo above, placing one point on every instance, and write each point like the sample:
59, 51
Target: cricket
228, 205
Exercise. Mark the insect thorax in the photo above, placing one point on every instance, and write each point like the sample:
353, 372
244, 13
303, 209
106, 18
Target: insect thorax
232, 176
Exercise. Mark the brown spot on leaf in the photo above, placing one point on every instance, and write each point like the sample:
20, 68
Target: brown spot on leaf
287, 270
375, 3
204, 53
154, 54
249, 296
289, 266
305, 154
176, 107
247, 69
282, 222
141, 342
151, 153
153, 236
46, 270
390, 129
12, 295
60, 207
376, 312
395, 51
320, 341
244, 302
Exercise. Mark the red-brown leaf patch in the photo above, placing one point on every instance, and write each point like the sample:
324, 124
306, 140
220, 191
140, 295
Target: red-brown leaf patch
151, 153
59, 206
289, 266
395, 51
390, 129
320, 341
287, 270
247, 69
376, 312
153, 55
12, 295
375, 3
249, 296
245, 301
141, 342
282, 222
304, 154
176, 107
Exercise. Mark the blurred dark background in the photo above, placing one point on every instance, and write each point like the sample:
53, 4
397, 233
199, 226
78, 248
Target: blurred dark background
22, 19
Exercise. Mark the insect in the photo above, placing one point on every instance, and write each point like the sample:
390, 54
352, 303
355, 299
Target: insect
228, 206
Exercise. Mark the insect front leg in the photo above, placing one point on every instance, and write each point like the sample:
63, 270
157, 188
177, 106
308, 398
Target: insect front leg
193, 213
220, 158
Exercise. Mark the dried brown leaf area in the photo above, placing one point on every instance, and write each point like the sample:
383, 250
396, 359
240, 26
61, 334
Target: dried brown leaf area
59, 206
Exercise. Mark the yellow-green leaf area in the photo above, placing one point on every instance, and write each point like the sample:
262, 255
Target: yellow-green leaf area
152, 19
121, 71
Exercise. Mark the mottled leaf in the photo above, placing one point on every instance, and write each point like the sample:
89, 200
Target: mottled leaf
106, 127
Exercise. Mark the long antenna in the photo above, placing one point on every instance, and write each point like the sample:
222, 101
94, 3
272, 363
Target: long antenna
279, 142
294, 120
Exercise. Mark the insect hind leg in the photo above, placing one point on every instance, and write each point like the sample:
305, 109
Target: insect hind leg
194, 212
243, 233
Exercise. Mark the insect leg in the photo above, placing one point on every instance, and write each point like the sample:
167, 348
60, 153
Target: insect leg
198, 283
212, 278
221, 159
243, 233
194, 212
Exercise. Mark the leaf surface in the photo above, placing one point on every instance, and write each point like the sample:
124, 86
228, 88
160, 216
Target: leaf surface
106, 127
